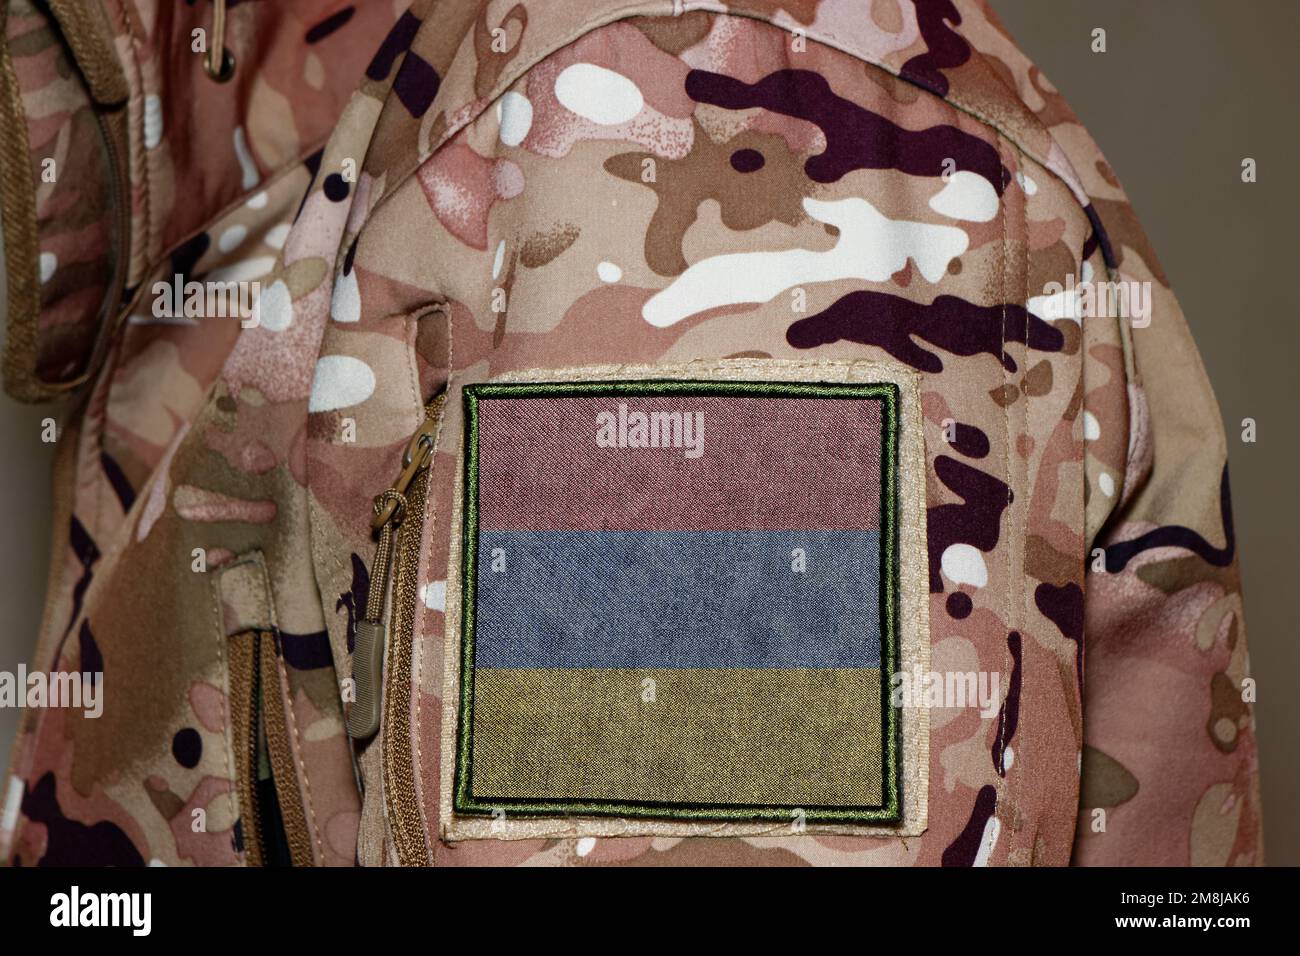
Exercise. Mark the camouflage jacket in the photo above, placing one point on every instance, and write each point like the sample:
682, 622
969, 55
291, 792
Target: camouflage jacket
423, 201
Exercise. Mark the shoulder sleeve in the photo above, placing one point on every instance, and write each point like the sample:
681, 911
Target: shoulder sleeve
1169, 768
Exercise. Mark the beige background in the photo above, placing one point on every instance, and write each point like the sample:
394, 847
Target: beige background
1186, 89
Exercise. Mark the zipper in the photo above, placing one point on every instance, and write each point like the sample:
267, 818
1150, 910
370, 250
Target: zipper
399, 519
390, 509
245, 736
272, 818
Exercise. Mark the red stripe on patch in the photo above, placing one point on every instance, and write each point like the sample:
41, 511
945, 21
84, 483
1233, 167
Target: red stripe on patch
723, 464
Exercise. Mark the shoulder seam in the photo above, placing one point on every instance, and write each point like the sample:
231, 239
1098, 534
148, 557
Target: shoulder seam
640, 9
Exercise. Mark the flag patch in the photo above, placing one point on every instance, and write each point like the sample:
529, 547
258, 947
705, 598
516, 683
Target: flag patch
680, 601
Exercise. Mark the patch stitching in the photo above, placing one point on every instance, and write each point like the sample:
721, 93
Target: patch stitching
887, 395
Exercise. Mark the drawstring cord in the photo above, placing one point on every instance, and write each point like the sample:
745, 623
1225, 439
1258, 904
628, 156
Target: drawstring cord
220, 62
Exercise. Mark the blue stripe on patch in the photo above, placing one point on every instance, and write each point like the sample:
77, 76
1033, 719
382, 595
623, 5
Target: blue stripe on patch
704, 599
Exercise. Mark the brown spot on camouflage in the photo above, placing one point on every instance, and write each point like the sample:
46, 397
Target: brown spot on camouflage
1051, 262
1044, 562
166, 802
1075, 405
1105, 781
324, 426
804, 11
1004, 395
746, 200
320, 687
1038, 380
543, 247
302, 276
1227, 710
1108, 174
1072, 334
887, 15
490, 63
1176, 574
675, 34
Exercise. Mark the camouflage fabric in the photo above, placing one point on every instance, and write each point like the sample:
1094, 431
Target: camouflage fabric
63, 168
214, 201
547, 186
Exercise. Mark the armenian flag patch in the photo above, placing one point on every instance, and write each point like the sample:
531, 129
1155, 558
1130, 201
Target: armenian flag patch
680, 600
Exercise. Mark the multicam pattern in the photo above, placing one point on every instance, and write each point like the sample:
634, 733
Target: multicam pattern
70, 181
561, 184
217, 205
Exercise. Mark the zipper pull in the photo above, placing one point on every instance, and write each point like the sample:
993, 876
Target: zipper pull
368, 652
419, 452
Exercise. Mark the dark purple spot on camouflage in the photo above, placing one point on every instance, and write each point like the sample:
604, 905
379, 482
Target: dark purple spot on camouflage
336, 187
945, 48
70, 843
1089, 246
306, 652
747, 160
1009, 714
187, 747
117, 480
1063, 606
966, 847
1103, 239
855, 138
416, 84
92, 660
975, 521
87, 553
959, 605
348, 258
1176, 536
331, 23
312, 164
950, 323
969, 441
237, 836
395, 44
354, 599
187, 255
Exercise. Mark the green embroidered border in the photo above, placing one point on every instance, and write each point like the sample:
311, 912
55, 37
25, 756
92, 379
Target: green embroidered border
890, 811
